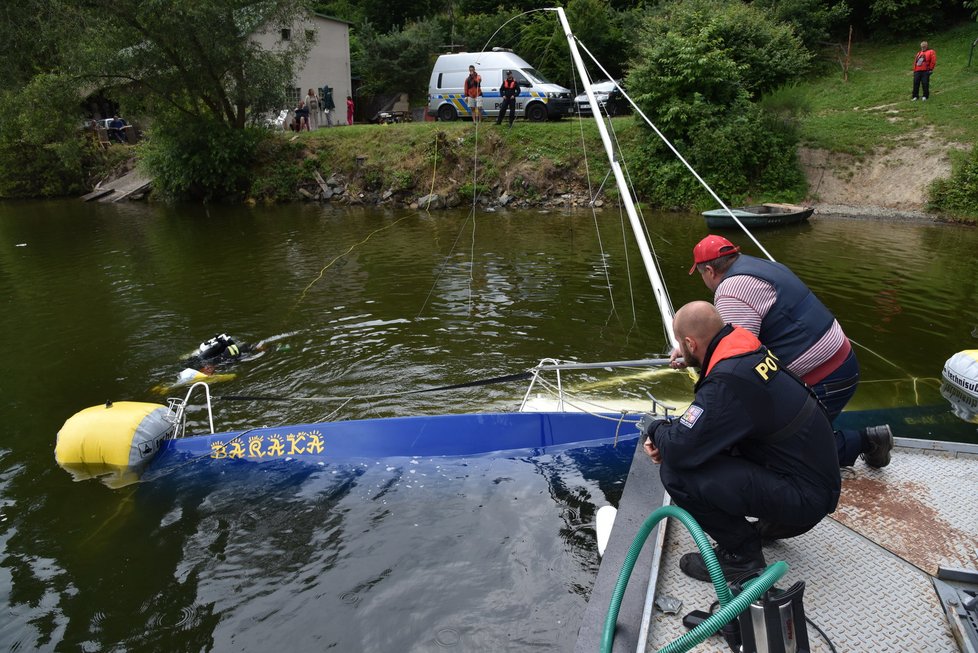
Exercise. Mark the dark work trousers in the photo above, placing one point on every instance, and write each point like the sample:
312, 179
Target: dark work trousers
835, 391
508, 103
721, 492
921, 78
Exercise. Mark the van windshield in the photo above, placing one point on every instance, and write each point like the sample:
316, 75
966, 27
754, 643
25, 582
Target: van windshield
535, 76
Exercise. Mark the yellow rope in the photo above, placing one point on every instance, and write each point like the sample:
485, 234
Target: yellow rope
336, 258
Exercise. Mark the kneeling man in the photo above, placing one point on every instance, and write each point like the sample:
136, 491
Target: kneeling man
755, 442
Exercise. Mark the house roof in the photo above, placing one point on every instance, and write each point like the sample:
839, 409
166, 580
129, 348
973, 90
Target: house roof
332, 18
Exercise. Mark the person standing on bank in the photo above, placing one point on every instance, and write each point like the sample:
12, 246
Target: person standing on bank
923, 65
349, 110
328, 105
473, 94
767, 299
509, 90
312, 103
755, 441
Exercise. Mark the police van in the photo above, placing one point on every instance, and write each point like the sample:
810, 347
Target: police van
538, 100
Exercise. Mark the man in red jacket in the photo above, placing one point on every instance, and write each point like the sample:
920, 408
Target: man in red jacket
473, 94
923, 65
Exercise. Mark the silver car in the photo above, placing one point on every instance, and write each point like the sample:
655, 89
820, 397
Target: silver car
610, 99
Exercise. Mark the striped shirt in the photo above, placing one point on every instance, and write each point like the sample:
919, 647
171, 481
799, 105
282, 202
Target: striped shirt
744, 300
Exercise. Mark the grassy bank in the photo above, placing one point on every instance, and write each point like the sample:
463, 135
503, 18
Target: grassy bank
873, 108
533, 161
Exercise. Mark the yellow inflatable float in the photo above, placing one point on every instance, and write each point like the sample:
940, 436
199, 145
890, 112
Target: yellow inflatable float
113, 439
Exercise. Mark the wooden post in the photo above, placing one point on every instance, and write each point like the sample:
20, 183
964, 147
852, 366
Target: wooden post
321, 182
845, 68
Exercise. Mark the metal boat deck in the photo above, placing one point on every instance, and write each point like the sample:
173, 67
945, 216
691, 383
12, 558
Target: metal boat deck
869, 567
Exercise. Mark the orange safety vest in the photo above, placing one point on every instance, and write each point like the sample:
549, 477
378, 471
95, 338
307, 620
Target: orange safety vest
737, 342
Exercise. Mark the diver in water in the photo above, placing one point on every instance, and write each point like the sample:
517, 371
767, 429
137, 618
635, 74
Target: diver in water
210, 360
220, 349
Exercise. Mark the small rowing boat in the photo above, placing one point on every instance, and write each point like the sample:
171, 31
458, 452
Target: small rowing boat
760, 215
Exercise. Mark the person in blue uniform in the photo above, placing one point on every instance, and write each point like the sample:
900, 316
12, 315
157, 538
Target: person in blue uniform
755, 442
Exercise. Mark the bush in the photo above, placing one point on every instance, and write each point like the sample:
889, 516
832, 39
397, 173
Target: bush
277, 171
43, 153
702, 67
201, 159
752, 156
958, 195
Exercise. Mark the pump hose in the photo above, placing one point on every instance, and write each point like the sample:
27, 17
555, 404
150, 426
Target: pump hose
730, 606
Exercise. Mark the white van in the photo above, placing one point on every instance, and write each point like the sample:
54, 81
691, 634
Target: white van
538, 100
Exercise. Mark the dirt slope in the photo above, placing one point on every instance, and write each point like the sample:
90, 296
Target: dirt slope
892, 181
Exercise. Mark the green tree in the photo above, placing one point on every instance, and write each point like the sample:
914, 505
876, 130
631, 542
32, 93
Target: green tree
194, 58
885, 19
42, 154
400, 60
700, 68
595, 24
814, 21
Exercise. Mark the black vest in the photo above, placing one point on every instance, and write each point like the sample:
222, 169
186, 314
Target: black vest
797, 320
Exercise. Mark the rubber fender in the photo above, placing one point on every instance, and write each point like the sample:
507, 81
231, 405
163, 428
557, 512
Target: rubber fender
121, 435
959, 384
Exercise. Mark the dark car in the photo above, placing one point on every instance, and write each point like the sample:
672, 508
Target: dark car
608, 96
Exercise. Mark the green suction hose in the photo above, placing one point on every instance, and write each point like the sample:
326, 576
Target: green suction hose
731, 606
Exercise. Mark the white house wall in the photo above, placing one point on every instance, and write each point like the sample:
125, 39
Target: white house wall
327, 63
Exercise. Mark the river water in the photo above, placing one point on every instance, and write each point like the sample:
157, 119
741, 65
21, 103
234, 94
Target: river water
102, 301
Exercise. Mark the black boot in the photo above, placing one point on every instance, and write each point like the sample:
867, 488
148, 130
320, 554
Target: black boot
732, 564
877, 444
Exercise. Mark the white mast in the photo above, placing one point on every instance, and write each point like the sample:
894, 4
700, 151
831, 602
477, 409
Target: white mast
658, 289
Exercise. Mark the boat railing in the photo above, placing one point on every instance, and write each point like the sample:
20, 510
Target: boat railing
557, 366
178, 409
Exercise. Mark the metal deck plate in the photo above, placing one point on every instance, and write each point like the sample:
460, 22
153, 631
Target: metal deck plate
922, 507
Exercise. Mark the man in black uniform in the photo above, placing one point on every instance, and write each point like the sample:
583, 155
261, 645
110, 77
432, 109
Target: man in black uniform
508, 91
755, 442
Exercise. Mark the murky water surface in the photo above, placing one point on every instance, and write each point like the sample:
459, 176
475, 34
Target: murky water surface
489, 553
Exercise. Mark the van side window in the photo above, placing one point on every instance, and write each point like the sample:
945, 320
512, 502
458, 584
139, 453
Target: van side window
439, 80
521, 79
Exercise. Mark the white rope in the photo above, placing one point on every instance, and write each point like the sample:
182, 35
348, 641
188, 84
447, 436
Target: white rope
582, 404
591, 198
675, 151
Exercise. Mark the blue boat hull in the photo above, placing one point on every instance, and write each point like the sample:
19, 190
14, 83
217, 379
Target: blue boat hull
440, 435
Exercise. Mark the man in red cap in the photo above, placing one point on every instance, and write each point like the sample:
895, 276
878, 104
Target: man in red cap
767, 299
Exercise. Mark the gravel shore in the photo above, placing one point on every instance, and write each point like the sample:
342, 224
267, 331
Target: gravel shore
874, 213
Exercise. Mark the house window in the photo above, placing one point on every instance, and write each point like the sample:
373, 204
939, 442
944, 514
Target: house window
292, 96
310, 35
286, 34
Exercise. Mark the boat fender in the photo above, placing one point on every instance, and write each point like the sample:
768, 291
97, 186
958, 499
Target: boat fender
605, 522
117, 436
959, 384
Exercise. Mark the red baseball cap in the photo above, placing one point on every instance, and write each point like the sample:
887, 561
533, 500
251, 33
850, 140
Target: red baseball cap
712, 247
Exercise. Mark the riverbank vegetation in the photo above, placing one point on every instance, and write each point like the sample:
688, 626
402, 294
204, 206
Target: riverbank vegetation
737, 86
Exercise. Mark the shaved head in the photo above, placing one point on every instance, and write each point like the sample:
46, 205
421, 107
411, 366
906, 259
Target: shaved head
699, 320
695, 325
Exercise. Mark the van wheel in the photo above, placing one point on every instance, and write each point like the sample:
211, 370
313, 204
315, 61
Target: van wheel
536, 112
447, 113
